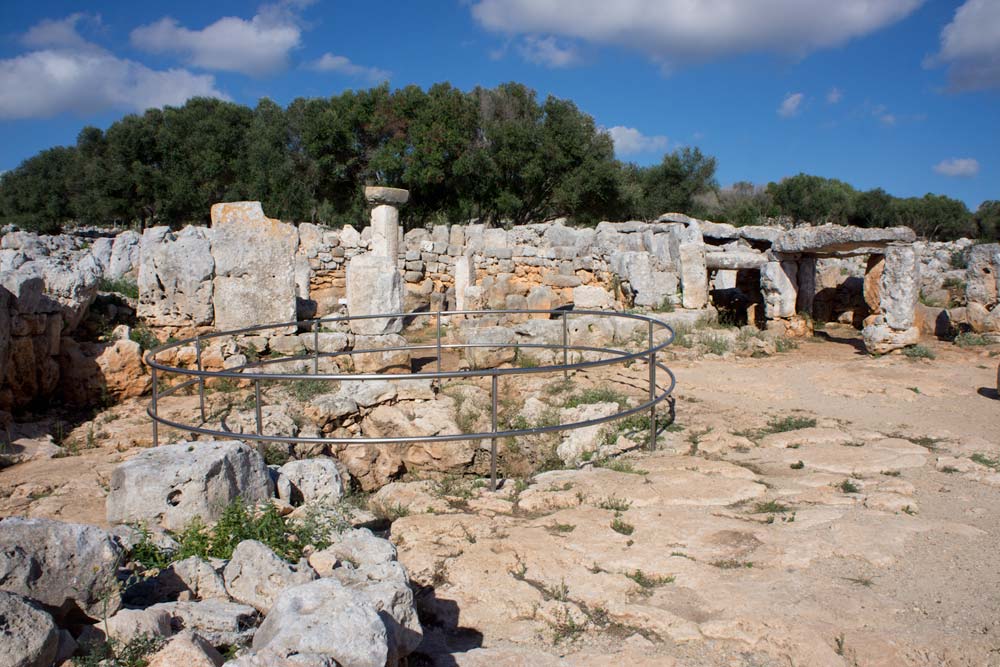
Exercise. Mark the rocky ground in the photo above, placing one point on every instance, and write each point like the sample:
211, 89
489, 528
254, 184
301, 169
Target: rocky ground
817, 507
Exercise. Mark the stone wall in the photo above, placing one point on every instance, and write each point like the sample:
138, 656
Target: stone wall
47, 285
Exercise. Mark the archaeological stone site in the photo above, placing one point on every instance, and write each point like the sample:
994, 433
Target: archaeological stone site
675, 442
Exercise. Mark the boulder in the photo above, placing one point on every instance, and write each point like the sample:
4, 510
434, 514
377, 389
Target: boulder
172, 484
592, 297
29, 635
497, 346
880, 338
220, 623
374, 287
187, 649
325, 618
256, 575
387, 586
175, 277
359, 547
312, 480
128, 624
382, 360
125, 255
582, 443
69, 568
194, 576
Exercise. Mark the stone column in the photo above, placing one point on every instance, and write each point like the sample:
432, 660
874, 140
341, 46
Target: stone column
464, 277
687, 248
806, 286
373, 281
778, 281
895, 291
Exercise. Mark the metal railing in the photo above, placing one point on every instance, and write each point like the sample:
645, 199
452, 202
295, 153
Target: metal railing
249, 372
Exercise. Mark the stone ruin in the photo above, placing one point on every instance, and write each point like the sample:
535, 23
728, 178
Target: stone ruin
247, 269
676, 262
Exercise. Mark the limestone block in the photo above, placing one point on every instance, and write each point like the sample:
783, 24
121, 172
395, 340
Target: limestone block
900, 286
68, 568
382, 195
171, 484
254, 267
778, 283
175, 277
983, 274
374, 286
385, 231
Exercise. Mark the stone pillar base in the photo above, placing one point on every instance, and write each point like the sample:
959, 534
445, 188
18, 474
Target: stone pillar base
881, 339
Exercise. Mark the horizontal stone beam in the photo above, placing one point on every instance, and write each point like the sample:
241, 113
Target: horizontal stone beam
734, 260
835, 238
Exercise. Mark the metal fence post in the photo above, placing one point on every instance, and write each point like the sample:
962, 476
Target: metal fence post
440, 303
201, 379
493, 429
156, 414
652, 390
315, 347
565, 345
260, 421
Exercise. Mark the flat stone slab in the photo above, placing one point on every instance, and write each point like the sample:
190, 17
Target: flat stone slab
390, 196
835, 238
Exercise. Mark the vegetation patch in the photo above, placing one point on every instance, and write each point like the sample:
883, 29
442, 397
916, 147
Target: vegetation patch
124, 286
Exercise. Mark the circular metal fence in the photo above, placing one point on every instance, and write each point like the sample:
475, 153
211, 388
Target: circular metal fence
659, 389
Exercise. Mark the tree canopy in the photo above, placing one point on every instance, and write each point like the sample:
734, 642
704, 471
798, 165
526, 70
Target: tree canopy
500, 155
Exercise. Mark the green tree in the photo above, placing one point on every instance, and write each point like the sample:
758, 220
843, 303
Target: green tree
672, 185
987, 221
815, 199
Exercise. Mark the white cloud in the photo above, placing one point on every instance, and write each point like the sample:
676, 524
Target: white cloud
257, 47
342, 65
963, 167
79, 76
59, 33
678, 31
790, 105
834, 96
629, 141
546, 51
970, 46
881, 112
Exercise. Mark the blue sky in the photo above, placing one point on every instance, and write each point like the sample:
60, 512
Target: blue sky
901, 94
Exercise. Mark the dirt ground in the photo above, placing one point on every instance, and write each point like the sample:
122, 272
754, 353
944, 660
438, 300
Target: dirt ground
868, 535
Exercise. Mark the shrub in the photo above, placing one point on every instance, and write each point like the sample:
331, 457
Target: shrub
620, 526
919, 352
958, 260
596, 395
144, 337
716, 344
969, 339
124, 286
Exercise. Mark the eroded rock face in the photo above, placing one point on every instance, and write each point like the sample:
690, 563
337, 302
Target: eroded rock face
254, 267
497, 346
324, 618
92, 372
312, 479
69, 568
175, 277
983, 274
170, 484
30, 637
220, 622
255, 575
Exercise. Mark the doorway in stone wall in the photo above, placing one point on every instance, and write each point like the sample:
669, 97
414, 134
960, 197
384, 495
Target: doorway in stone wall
736, 294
